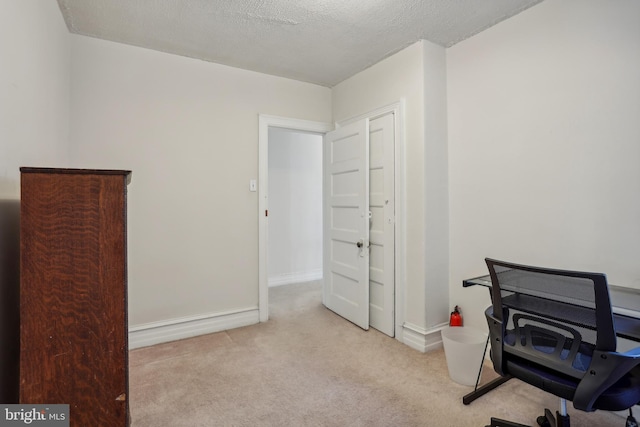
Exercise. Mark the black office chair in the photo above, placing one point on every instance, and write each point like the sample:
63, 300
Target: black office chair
555, 330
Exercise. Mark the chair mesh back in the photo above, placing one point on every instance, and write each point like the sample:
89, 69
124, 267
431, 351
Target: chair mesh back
553, 317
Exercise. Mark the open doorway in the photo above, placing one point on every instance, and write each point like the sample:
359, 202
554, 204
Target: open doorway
295, 207
266, 124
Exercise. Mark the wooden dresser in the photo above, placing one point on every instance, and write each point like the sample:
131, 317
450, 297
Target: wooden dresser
73, 293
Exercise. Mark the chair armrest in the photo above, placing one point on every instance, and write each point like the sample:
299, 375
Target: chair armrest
605, 370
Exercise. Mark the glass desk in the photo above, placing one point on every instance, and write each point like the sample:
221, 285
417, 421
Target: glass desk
625, 304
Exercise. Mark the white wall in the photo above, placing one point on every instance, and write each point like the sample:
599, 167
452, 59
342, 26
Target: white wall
436, 182
34, 89
544, 144
417, 76
188, 130
295, 206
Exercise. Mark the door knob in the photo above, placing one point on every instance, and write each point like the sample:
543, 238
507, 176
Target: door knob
360, 243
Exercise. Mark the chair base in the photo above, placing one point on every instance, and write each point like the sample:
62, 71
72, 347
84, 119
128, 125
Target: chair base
546, 420
497, 422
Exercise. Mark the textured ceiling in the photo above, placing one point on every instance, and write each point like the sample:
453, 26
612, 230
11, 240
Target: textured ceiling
317, 41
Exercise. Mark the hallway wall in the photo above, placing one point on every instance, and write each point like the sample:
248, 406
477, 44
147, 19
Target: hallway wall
295, 207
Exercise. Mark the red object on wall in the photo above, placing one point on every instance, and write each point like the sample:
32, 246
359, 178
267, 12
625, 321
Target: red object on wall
456, 317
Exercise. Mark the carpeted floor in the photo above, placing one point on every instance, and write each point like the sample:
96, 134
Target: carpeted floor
307, 366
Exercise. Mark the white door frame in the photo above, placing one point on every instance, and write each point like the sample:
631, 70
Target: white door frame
264, 122
397, 109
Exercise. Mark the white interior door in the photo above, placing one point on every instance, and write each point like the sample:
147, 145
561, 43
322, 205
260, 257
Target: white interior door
346, 222
382, 225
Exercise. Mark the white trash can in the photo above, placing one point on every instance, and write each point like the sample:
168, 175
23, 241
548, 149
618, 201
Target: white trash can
464, 350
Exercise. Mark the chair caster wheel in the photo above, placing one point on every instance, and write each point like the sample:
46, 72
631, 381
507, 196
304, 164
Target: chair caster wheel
542, 421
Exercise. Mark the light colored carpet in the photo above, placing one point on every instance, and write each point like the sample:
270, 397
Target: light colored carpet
307, 366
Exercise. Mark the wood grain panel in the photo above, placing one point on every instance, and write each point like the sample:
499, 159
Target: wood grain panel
73, 303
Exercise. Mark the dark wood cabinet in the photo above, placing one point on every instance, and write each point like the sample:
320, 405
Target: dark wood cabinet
73, 293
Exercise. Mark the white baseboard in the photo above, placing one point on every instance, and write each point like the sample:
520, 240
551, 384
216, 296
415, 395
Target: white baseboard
421, 339
187, 327
295, 277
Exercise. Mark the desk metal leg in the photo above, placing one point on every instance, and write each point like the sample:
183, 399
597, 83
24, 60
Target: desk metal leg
478, 392
481, 391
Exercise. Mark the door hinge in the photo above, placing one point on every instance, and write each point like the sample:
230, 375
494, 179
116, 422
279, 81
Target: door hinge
266, 212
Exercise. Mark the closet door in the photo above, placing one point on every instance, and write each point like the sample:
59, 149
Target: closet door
382, 225
73, 296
